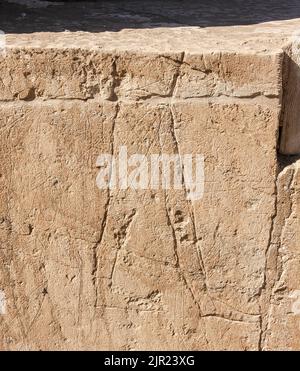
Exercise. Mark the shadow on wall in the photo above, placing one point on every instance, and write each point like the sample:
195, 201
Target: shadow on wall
27, 16
290, 113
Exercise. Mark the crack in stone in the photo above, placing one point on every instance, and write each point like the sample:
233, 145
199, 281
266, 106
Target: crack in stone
95, 269
191, 209
264, 288
125, 229
274, 273
175, 243
226, 318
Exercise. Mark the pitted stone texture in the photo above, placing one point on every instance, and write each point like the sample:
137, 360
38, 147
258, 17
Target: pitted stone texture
50, 220
283, 317
29, 74
87, 269
83, 268
240, 36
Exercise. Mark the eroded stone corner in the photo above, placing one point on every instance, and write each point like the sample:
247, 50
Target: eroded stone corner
290, 117
281, 297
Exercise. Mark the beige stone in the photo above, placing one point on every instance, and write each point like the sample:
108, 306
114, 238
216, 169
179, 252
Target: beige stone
282, 327
83, 268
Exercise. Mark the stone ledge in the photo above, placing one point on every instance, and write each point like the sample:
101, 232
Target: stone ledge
258, 58
83, 268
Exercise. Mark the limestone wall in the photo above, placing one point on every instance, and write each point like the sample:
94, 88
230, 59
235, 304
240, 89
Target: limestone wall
147, 269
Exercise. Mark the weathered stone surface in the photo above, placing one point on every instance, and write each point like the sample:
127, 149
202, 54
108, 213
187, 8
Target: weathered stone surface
123, 269
30, 74
76, 256
282, 320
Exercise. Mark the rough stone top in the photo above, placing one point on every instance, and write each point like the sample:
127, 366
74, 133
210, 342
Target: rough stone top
152, 25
